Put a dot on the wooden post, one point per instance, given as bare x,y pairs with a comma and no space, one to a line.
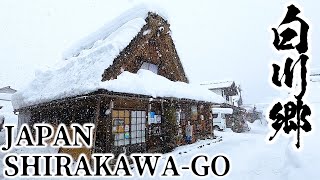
147,127
96,123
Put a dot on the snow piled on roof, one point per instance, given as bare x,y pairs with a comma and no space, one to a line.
82,73
137,12
217,85
144,82
147,83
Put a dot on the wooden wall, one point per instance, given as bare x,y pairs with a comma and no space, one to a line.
98,110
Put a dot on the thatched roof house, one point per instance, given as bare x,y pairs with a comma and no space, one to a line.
122,78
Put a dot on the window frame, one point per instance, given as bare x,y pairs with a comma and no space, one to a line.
215,115
150,66
133,130
223,115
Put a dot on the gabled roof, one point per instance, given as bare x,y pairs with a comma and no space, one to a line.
217,84
7,90
82,72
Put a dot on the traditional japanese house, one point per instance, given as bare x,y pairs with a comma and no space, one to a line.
231,94
5,104
128,80
227,89
6,93
315,75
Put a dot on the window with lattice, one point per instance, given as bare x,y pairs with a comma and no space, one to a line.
128,127
138,126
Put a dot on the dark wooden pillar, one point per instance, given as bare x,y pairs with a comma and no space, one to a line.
96,123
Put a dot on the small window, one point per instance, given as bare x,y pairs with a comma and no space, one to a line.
194,113
151,67
214,115
183,118
223,116
178,118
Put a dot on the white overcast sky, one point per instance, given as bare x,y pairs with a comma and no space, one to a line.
215,39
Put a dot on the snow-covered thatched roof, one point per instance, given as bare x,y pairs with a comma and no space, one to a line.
87,60
134,17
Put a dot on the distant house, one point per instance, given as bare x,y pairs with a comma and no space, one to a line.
127,79
6,93
5,104
227,89
315,74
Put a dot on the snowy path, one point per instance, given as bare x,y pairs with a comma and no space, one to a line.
251,158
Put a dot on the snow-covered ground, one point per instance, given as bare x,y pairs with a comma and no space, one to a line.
251,158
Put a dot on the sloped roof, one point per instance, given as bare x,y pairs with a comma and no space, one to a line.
7,90
217,84
138,13
82,72
315,72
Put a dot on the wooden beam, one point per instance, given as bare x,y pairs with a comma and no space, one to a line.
96,123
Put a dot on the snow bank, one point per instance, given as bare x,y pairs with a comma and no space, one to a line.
305,164
259,126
